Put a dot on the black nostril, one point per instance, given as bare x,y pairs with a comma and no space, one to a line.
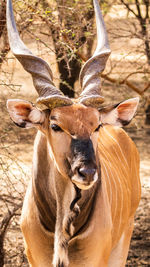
86,172
82,174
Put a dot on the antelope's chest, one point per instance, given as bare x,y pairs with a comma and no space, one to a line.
92,248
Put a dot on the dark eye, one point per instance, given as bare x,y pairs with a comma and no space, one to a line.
99,126
56,128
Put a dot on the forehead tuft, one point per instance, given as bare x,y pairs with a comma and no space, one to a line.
76,118
78,111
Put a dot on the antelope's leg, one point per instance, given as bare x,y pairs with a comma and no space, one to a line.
29,256
120,252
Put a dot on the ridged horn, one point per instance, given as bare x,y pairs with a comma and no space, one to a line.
90,73
37,67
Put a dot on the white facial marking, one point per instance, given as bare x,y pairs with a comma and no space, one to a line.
95,177
110,118
82,184
36,116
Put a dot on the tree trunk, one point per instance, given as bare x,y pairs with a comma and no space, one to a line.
2,16
147,111
2,254
69,73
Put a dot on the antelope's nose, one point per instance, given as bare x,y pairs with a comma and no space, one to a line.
85,177
87,173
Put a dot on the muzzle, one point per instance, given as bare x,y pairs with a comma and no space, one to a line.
83,164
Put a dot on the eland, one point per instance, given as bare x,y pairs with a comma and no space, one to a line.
80,203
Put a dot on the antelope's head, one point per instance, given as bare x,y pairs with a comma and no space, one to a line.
71,126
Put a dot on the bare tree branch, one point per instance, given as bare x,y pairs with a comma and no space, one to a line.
128,7
138,8
7,218
123,81
3,228
147,3
128,83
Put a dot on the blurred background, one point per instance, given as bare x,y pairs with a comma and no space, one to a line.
63,33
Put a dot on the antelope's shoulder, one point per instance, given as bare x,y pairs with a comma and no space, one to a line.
116,141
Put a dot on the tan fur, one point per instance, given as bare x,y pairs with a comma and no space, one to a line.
77,120
108,221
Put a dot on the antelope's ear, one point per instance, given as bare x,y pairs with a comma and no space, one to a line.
24,114
120,114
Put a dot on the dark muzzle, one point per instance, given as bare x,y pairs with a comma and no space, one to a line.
83,163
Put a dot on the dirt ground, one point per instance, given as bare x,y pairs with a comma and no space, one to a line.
16,148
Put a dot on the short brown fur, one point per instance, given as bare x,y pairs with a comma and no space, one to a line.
103,229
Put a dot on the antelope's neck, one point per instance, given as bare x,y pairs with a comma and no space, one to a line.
43,196
86,204
53,194
65,195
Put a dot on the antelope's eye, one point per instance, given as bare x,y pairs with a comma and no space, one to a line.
56,128
99,126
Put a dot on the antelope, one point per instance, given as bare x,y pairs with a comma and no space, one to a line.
80,203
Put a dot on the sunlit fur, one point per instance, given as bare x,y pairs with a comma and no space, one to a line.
98,230
80,204
74,125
